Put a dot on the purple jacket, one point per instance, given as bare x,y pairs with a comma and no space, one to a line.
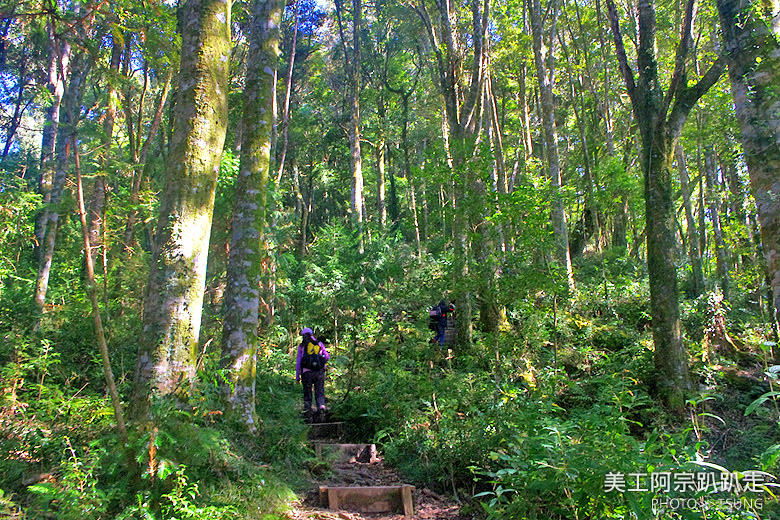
323,353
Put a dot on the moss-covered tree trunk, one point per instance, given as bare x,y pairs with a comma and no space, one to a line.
670,358
660,117
242,296
174,294
751,34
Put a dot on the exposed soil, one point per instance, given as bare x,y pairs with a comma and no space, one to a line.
427,504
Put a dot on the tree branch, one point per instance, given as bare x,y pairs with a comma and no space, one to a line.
686,38
339,10
687,97
620,50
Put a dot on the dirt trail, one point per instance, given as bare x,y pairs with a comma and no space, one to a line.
427,504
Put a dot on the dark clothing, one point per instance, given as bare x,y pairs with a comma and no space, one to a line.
315,378
441,322
309,378
441,329
323,353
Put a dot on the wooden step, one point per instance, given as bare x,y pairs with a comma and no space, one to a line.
346,452
326,430
368,499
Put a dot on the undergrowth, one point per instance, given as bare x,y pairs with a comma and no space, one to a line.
540,419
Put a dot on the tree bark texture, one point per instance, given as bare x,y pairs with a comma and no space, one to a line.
174,294
751,32
242,294
670,358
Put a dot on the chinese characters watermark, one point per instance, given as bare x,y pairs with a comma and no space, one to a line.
695,489
688,482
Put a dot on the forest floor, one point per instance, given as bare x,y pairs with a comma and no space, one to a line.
427,504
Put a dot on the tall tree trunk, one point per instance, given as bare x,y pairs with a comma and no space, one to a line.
65,133
604,106
545,73
415,218
660,117
737,213
500,179
306,199
589,223
242,294
174,294
59,62
751,34
700,168
408,166
713,194
356,160
697,275
97,208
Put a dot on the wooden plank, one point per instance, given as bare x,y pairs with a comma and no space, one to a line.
333,500
406,498
370,499
323,494
332,430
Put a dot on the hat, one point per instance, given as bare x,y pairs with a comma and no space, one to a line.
305,331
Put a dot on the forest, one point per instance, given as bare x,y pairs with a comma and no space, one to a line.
186,187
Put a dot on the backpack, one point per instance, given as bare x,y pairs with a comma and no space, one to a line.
435,312
312,360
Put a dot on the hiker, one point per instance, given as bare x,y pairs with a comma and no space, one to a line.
310,370
438,315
